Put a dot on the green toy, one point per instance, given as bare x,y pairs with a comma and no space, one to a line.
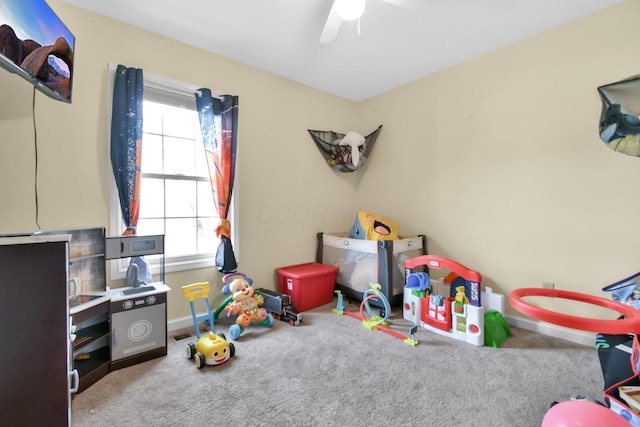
496,329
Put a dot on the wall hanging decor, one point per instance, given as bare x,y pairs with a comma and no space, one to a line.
619,120
345,152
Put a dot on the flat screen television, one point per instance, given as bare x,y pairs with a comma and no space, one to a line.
36,45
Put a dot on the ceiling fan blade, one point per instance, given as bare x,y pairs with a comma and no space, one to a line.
409,4
332,26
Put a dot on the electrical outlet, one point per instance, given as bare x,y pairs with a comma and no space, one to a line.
548,285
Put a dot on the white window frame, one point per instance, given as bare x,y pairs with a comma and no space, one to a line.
117,270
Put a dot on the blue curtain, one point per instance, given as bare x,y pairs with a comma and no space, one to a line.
126,142
219,126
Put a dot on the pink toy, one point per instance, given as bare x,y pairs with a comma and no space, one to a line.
576,413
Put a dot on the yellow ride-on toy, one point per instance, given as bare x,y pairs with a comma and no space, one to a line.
211,348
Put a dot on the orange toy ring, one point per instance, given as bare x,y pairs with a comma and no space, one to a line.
630,324
363,306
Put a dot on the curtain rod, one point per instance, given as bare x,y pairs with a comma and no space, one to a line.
169,85
214,94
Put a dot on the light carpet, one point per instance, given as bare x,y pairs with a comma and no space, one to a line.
331,371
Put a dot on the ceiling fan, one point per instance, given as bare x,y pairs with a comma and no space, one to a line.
349,10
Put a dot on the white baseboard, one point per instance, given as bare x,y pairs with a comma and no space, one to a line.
573,335
180,324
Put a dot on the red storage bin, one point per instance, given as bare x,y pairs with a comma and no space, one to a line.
309,285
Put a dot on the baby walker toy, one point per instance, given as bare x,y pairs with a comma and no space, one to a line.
212,348
244,302
585,413
369,319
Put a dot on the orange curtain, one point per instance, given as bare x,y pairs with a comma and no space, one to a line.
219,126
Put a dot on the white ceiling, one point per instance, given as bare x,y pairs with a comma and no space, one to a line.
395,45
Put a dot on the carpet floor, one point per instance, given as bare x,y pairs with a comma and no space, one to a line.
331,371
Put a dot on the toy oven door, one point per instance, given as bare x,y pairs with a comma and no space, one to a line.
138,329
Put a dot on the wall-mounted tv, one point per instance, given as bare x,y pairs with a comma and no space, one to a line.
36,45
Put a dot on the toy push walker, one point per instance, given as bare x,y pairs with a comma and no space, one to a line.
212,348
244,302
369,319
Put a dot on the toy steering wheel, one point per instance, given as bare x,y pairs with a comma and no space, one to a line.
228,278
630,324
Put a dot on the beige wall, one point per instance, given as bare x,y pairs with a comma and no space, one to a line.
499,162
496,160
286,191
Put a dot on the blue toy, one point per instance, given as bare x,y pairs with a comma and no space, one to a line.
418,282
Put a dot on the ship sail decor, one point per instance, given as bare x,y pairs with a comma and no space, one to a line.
345,152
619,124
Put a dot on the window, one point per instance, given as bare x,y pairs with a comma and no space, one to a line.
175,191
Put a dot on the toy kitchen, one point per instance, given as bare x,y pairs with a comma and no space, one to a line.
139,310
118,327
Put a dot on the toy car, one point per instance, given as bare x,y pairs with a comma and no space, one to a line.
279,305
210,349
